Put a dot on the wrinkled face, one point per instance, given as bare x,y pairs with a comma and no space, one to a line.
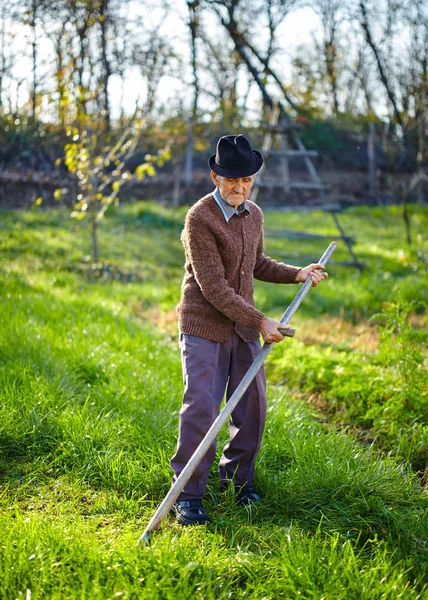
234,190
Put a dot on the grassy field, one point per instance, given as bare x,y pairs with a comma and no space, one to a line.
90,389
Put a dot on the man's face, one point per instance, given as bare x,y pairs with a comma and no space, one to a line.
234,190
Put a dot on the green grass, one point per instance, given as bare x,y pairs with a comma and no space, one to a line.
384,392
391,265
90,389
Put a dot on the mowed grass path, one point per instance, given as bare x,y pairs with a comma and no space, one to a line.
91,384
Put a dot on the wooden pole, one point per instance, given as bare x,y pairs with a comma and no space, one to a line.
223,417
371,159
346,240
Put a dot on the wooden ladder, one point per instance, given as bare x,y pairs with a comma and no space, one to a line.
282,127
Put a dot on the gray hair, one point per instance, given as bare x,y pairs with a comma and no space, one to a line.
222,177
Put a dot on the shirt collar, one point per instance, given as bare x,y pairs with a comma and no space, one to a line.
228,210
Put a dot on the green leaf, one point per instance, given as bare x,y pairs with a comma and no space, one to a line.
140,171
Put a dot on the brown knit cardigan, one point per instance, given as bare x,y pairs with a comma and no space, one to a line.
221,260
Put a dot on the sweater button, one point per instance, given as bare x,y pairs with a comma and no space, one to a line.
242,273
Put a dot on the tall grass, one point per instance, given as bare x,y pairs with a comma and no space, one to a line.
384,393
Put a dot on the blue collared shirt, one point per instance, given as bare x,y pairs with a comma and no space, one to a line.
228,210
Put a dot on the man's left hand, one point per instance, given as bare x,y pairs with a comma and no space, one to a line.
315,272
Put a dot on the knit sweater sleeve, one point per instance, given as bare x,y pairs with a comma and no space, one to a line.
209,272
268,269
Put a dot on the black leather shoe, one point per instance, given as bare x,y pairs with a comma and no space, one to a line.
190,512
247,495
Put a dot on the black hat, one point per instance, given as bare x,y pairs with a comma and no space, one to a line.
235,157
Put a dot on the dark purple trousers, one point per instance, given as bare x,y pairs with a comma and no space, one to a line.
210,369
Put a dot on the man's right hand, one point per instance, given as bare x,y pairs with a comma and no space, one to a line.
269,330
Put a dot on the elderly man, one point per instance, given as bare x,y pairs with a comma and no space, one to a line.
220,325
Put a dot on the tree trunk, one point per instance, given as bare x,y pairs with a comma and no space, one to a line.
81,102
188,158
243,54
176,187
406,217
94,237
2,56
330,59
33,25
60,77
106,67
371,159
420,158
188,161
403,196
383,77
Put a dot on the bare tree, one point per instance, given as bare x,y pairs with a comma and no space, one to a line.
380,60
238,18
331,17
121,48
111,26
83,23
31,14
222,83
7,57
406,88
106,70
153,55
194,16
414,82
58,34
